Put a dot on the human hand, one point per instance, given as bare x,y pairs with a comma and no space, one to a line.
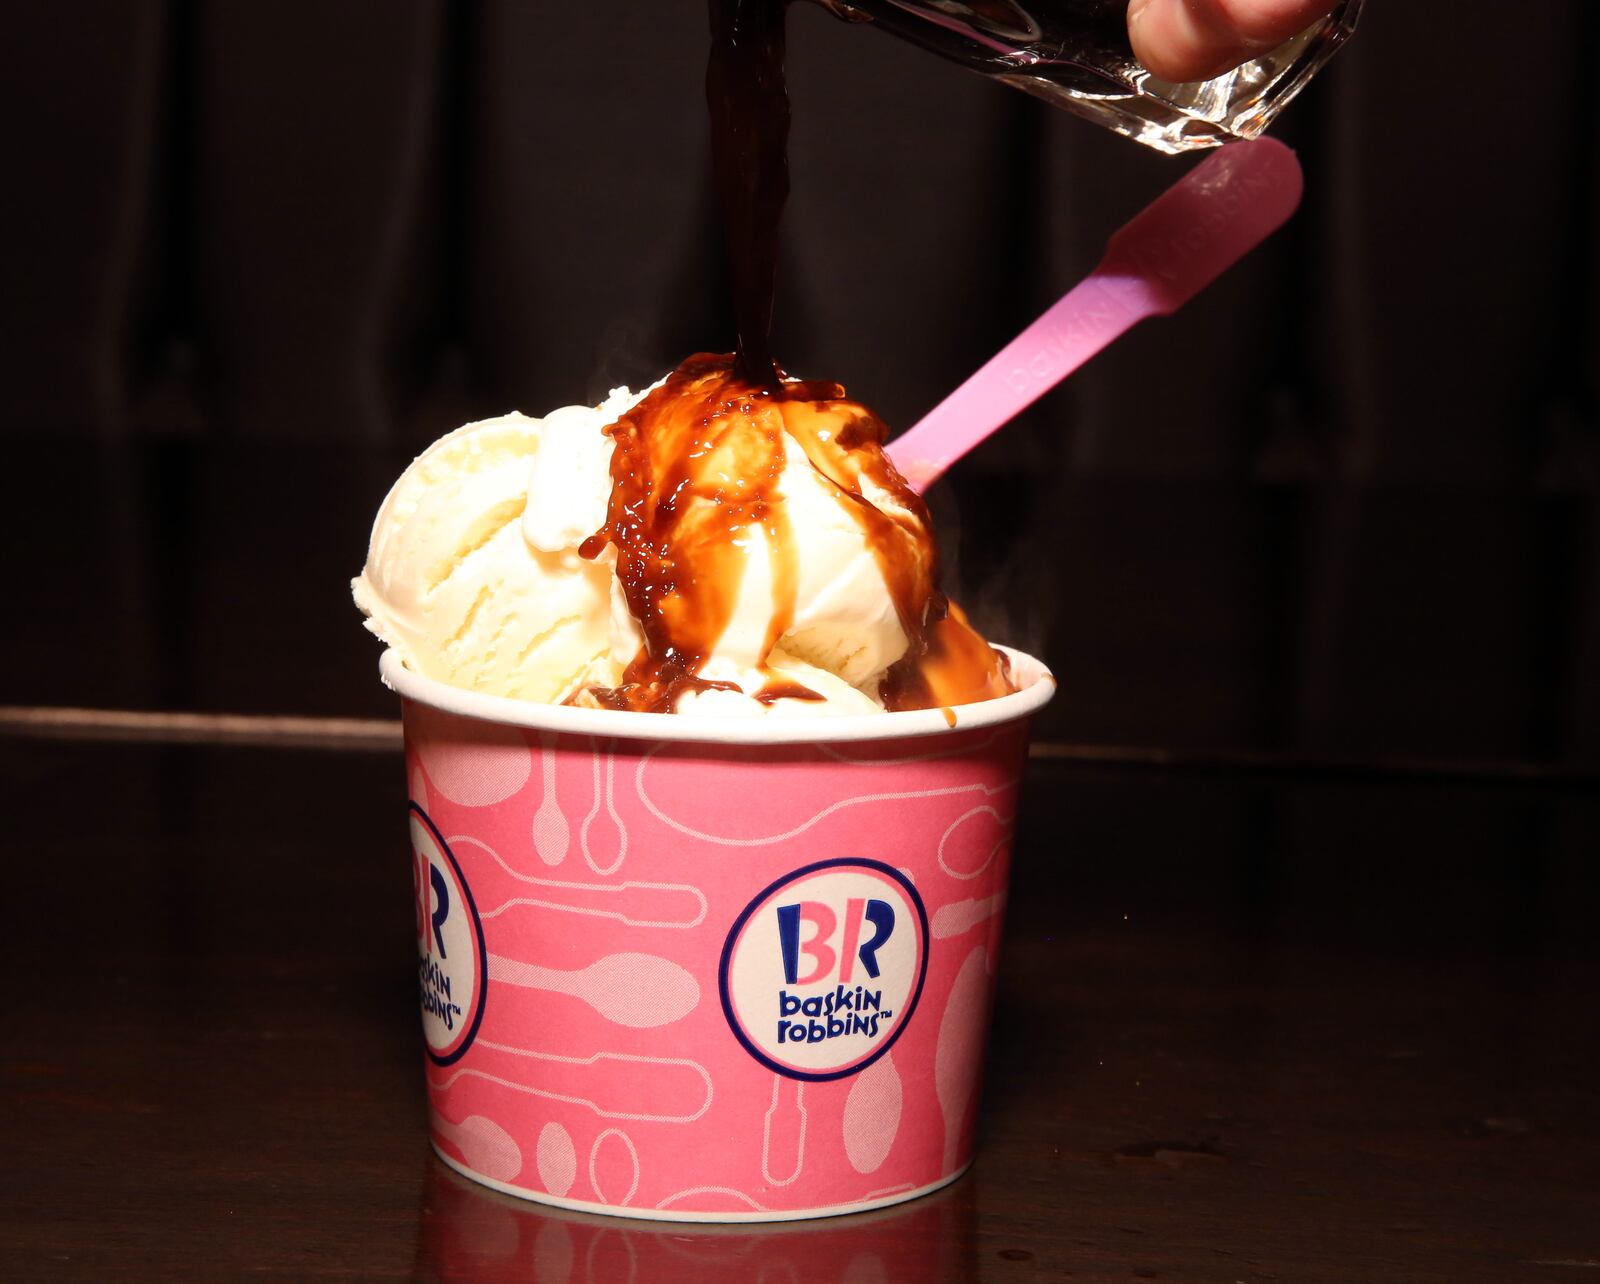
1181,40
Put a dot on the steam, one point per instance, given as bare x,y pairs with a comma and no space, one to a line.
995,557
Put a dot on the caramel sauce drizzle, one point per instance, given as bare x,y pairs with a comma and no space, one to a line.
696,465
695,473
748,99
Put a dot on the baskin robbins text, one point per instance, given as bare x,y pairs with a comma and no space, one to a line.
845,1009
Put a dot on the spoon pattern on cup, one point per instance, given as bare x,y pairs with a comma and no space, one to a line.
636,990
484,1144
605,770
550,833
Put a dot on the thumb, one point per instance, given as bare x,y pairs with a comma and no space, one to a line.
1182,40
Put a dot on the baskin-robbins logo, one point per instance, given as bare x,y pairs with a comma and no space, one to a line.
452,960
822,970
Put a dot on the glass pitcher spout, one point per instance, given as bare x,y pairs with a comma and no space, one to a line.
1075,54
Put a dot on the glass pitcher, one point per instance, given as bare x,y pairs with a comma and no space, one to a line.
1075,54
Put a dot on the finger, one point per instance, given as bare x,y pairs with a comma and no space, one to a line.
1181,40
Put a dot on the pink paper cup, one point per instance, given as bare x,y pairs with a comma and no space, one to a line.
701,969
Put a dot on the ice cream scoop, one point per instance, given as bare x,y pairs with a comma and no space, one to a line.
712,546
454,582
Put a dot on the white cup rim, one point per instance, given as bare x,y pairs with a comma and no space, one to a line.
1038,686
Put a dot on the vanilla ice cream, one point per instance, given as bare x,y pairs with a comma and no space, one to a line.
454,583
703,548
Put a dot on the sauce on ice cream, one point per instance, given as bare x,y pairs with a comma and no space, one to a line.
696,466
695,473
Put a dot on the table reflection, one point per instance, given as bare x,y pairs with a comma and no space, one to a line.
471,1233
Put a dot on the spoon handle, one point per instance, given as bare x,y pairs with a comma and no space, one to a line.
1211,218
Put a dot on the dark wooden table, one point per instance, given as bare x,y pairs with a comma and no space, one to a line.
1254,1024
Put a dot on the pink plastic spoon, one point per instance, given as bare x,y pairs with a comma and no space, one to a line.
1210,219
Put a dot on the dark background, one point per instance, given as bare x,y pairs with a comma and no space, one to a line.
1300,965
253,257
